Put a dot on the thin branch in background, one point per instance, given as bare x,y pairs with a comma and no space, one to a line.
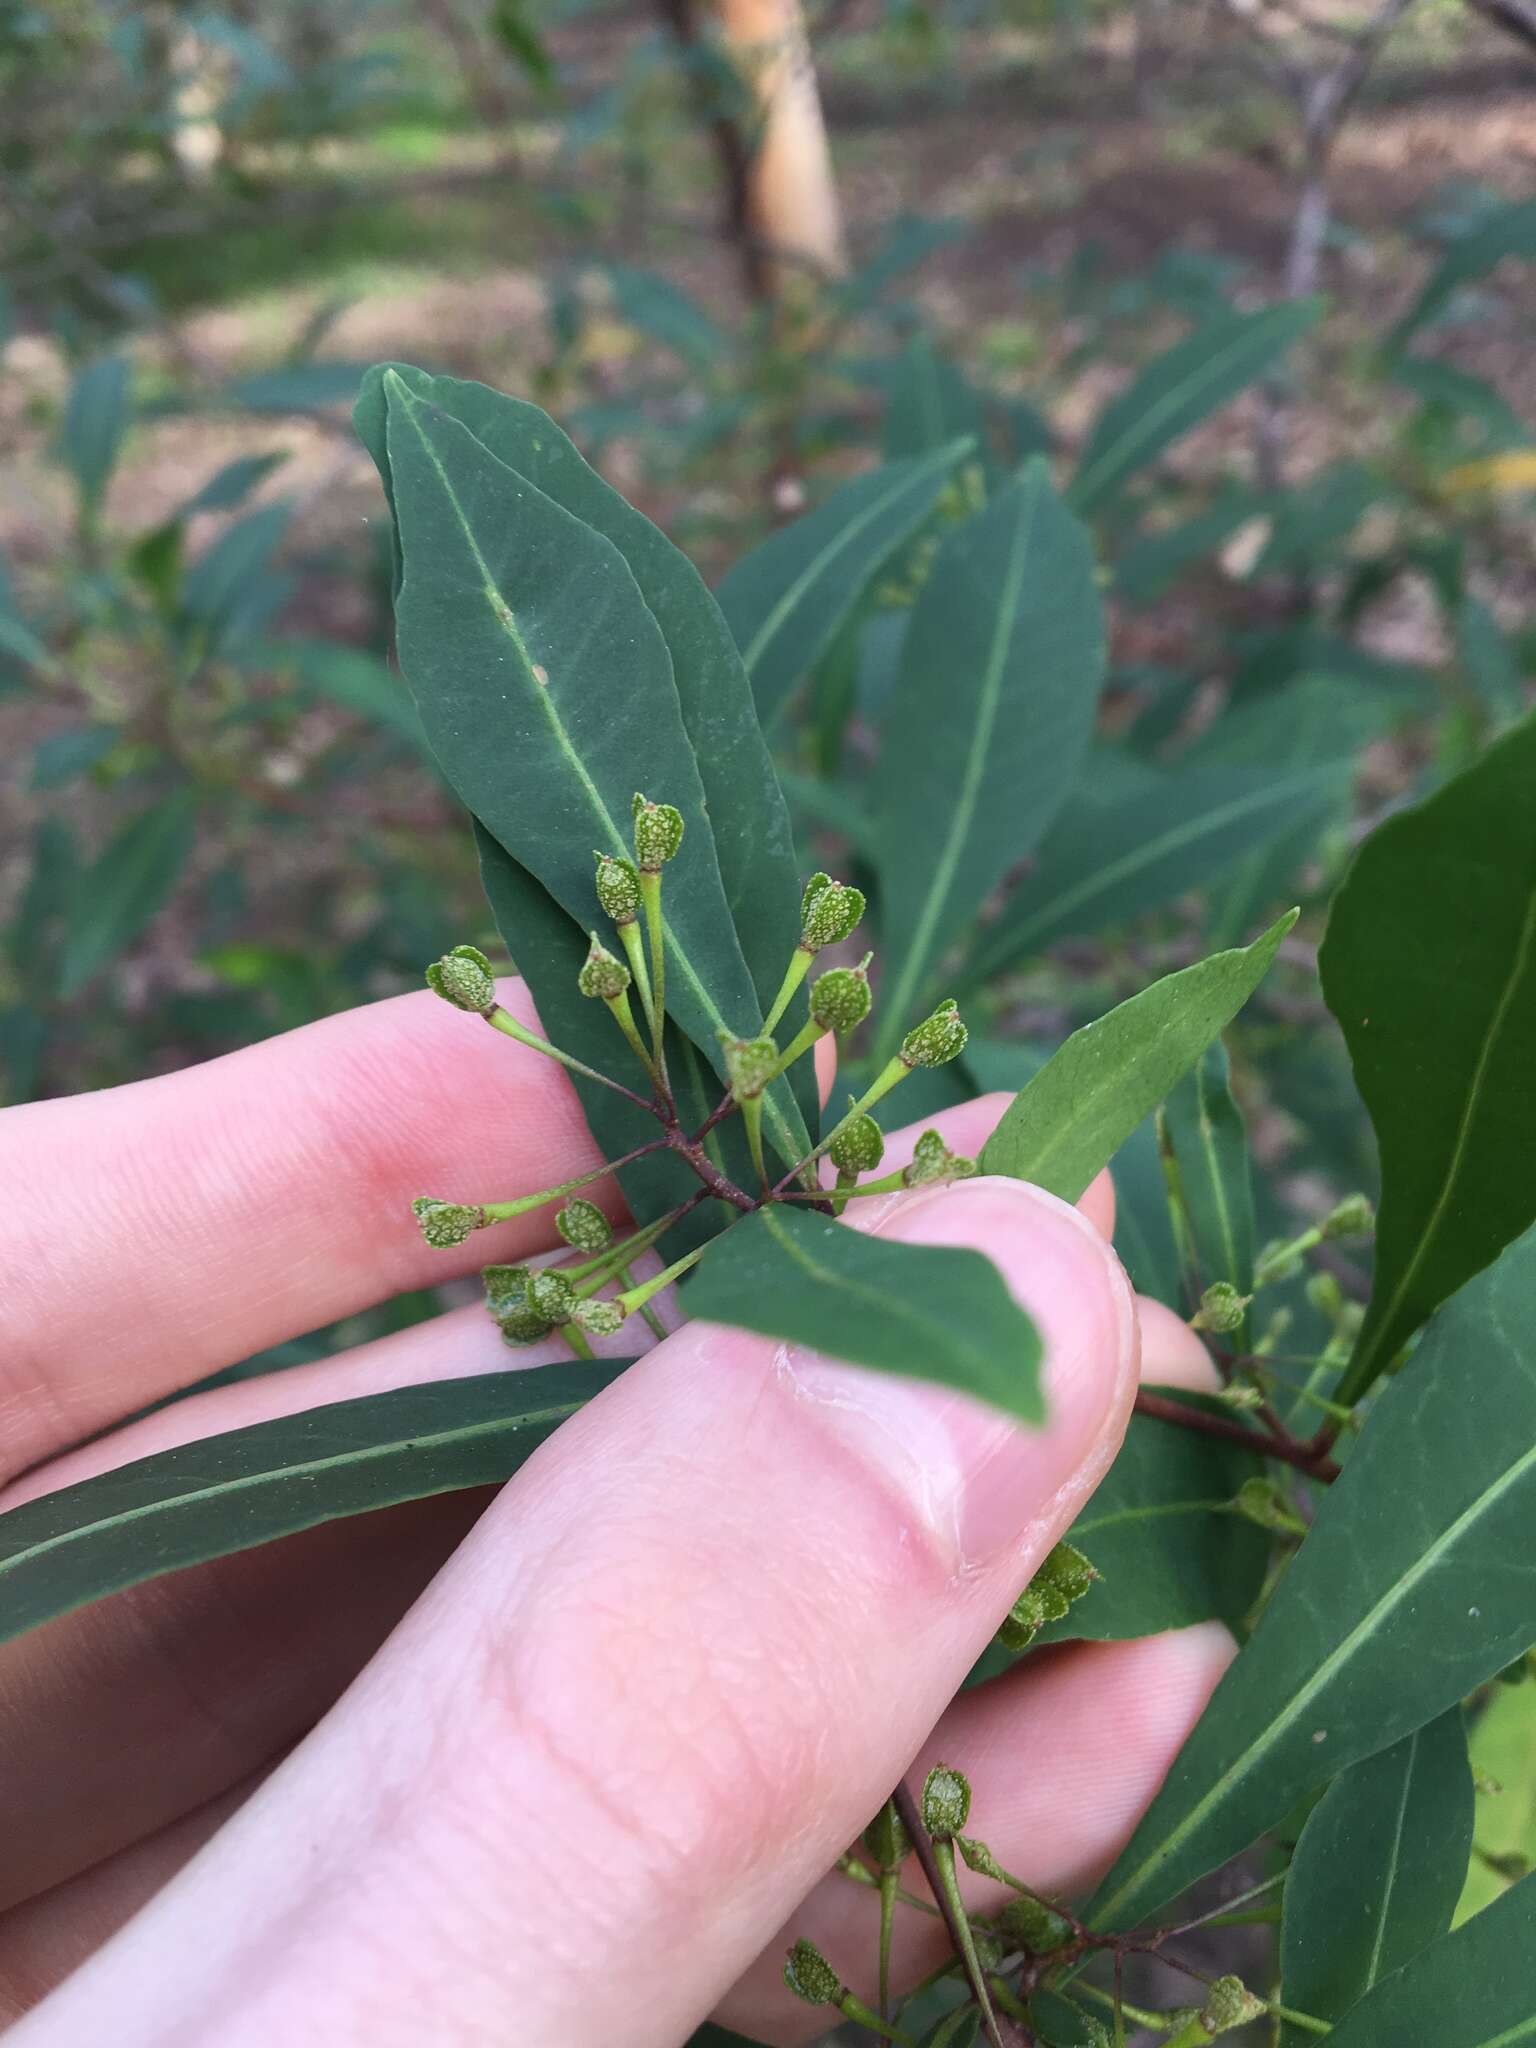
733,154
1515,17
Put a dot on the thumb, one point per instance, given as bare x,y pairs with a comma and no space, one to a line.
675,1668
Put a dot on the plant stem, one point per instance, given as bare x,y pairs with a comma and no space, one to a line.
894,1070
650,902
946,1891
752,1124
632,941
500,1212
1310,1456
635,1298
619,1010
507,1024
1305,2020
800,1044
576,1337
794,974
648,1315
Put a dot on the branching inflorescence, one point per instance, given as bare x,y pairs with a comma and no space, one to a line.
596,1292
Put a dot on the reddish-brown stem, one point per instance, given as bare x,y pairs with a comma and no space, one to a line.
713,1179
917,1834
1305,1456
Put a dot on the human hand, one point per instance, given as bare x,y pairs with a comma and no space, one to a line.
584,1784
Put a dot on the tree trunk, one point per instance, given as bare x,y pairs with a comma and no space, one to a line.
792,198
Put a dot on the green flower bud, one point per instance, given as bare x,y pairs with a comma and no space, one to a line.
938,1038
829,911
584,1225
748,1063
618,888
859,1147
946,1802
551,1294
603,973
811,1977
1221,1309
932,1162
600,1318
1068,1572
1230,2004
445,1224
1030,1924
1325,1294
658,834
463,977
1354,1217
840,998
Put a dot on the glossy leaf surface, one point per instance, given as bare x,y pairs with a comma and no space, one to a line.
925,1311
1475,1988
231,1492
1424,1540
1096,1088
1429,964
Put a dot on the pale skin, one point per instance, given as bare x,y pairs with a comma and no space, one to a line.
571,1767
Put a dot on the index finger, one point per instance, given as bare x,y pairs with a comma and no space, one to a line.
163,1230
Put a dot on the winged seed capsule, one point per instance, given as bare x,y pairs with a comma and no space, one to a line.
829,911
840,998
658,834
618,888
937,1039
584,1225
446,1224
859,1146
603,973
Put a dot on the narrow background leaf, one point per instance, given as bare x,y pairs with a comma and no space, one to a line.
1475,1988
124,887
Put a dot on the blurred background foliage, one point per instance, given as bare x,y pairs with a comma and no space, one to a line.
1255,277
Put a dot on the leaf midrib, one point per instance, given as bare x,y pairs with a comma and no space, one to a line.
1301,1700
1083,488
1394,1863
916,960
883,1302
845,536
1151,1513
416,1439
1365,1361
790,1144
1065,902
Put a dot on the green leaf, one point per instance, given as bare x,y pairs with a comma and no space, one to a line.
17,638
1377,1872
218,590
1193,379
228,1493
753,842
547,694
514,29
1475,1988
1143,1228
95,421
1093,1092
1507,231
930,404
989,725
1158,1532
664,312
787,601
1203,1129
923,1311
125,887
1429,964
230,485
1318,724
64,756
1412,1589
356,680
1487,658
1110,858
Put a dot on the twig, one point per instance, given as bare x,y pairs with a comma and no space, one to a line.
959,1933
1307,1456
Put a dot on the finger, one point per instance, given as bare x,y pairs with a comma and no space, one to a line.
649,1661
113,1711
1063,1757
1171,1353
187,1222
1098,1204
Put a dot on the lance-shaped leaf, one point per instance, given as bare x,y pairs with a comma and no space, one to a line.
1429,964
125,887
924,1311
753,841
1192,380
787,601
1202,1129
930,403
1475,1988
1377,1872
547,694
1110,857
232,1492
1160,1533
1507,231
991,718
1096,1088
1425,1540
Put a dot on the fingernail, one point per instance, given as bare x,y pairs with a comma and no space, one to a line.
977,1486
